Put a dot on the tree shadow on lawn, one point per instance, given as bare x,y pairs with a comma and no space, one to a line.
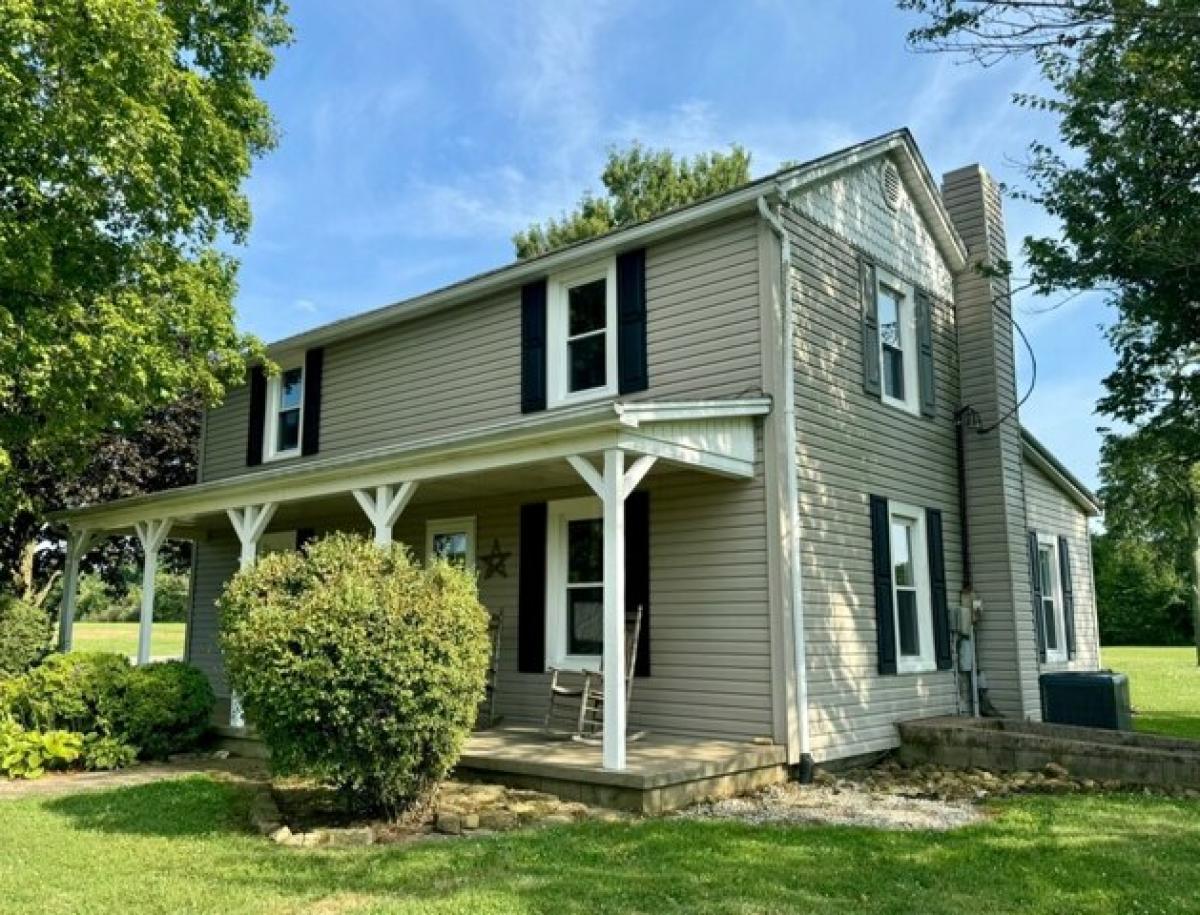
1044,854
196,805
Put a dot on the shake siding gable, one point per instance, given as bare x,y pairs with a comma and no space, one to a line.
850,446
1050,511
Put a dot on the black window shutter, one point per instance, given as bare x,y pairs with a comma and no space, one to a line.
937,587
925,374
533,346
531,590
637,573
1035,585
1064,565
310,435
872,382
258,416
885,617
632,373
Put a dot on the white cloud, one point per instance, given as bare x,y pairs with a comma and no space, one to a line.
307,306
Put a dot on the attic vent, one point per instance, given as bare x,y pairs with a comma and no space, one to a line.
891,186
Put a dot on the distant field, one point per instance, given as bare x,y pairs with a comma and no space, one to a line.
167,641
1164,686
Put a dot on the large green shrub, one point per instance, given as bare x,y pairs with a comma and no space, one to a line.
358,665
166,708
25,632
79,691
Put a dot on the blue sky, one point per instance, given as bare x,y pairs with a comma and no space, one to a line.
416,137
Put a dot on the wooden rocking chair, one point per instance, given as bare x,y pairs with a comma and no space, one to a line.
578,696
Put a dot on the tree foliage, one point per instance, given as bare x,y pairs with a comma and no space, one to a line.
126,129
1141,599
159,453
640,183
1125,189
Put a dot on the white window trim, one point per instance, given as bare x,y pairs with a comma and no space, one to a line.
557,515
926,661
436,526
1058,655
557,373
274,384
911,402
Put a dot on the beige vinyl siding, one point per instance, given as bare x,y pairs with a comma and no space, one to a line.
216,559
459,369
850,446
1049,510
710,646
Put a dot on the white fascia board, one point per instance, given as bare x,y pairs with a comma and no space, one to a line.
551,435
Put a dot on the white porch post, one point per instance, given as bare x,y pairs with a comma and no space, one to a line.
614,609
249,523
78,543
383,507
613,487
151,534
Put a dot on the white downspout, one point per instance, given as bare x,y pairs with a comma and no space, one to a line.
791,486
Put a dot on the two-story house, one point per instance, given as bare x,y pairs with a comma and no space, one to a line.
782,421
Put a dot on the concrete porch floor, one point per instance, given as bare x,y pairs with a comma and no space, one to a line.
664,771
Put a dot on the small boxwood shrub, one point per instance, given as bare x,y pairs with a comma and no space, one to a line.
358,665
25,632
165,709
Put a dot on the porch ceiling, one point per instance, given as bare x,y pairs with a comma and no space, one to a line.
529,454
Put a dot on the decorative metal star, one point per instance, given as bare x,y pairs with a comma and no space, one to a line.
495,562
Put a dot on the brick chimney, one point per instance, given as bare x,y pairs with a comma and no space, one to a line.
1006,647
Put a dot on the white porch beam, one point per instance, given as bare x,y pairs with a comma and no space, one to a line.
249,523
79,541
152,534
590,475
384,506
613,499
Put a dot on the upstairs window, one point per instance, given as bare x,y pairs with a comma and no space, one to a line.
285,413
897,343
581,324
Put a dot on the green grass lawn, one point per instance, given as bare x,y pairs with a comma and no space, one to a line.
166,642
182,847
1164,685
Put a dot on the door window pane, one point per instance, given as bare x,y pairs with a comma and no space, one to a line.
586,306
585,621
585,550
451,546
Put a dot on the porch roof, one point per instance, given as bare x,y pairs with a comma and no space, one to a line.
712,435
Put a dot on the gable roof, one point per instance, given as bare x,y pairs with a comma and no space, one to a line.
897,143
1042,458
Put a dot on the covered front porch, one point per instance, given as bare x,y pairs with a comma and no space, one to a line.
602,451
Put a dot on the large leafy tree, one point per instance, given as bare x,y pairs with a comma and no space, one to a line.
640,183
126,130
160,453
1124,184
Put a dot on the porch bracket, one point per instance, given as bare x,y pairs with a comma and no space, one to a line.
384,506
249,523
152,534
79,541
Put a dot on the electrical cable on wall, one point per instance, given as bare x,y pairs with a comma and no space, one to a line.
1032,382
